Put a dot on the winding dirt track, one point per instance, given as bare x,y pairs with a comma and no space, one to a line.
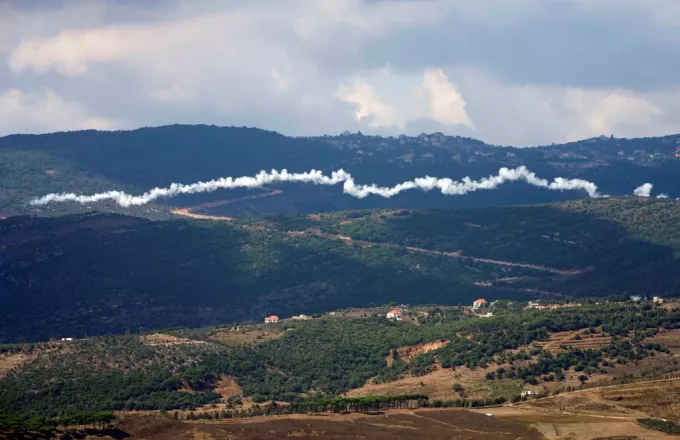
458,255
190,212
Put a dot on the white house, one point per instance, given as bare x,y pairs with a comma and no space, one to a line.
302,318
394,314
478,304
657,300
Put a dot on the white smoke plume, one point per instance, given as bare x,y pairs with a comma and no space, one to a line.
446,186
643,190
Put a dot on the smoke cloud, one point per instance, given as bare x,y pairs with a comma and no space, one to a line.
445,186
643,190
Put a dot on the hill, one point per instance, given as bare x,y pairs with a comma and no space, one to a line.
193,373
135,161
93,274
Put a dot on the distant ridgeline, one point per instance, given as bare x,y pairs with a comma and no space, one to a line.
137,160
85,275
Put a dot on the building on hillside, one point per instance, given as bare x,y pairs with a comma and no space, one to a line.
635,298
67,339
657,300
271,319
302,318
478,304
532,304
487,315
394,314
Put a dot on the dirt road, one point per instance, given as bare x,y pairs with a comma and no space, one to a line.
190,211
457,255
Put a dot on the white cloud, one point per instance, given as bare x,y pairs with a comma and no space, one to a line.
175,94
608,112
446,103
368,104
531,72
44,112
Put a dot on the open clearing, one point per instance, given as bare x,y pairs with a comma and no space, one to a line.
555,425
605,413
8,362
658,399
161,339
246,335
398,425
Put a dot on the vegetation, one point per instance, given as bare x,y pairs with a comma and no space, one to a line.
116,273
133,372
667,426
46,425
91,161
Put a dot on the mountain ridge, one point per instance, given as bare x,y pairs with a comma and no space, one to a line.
136,160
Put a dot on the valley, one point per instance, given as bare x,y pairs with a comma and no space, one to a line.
146,321
244,269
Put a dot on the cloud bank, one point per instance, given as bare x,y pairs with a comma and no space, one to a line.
520,72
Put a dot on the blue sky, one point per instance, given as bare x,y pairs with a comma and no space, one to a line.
519,72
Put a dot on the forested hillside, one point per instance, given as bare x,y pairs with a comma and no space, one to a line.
156,371
135,161
95,274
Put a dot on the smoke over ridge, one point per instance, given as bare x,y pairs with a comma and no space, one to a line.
446,186
644,190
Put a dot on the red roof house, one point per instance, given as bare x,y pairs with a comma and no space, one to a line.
394,314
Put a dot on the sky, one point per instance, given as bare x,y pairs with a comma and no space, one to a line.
508,72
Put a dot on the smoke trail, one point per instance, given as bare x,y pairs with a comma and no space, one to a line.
643,190
446,186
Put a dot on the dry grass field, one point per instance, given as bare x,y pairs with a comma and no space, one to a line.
605,413
554,425
161,339
247,335
10,361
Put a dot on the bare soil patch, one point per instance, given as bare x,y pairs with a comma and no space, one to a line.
408,352
425,424
554,425
228,386
660,399
8,362
161,339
